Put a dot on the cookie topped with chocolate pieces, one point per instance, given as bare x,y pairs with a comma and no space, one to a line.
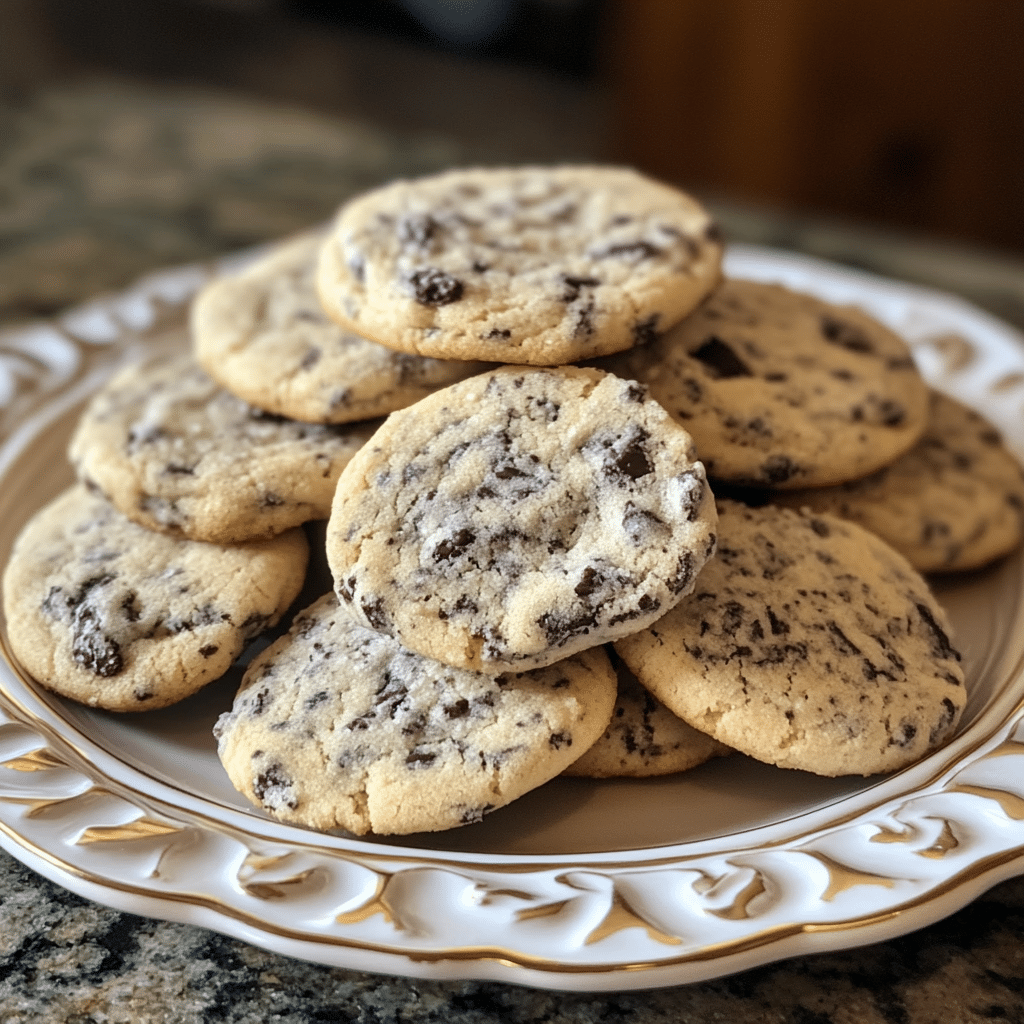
808,643
176,452
782,389
536,265
955,501
263,336
336,726
512,519
116,616
643,738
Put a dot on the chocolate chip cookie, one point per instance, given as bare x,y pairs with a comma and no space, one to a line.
781,389
643,738
337,726
116,616
955,501
516,517
538,265
808,643
174,451
263,336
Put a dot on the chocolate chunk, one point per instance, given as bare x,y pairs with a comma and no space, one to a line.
131,607
416,230
683,576
453,547
460,709
941,646
644,606
777,469
624,456
433,287
820,527
273,788
844,334
942,725
842,642
645,332
583,325
311,358
892,413
721,360
420,759
590,581
573,285
560,739
376,614
560,629
633,251
91,647
637,392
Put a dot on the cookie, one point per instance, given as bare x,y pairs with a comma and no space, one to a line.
263,336
519,516
780,389
809,643
537,265
116,616
955,501
175,452
643,738
337,726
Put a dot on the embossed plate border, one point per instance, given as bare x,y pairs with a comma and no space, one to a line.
896,856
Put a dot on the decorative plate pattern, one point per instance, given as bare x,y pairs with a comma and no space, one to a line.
582,885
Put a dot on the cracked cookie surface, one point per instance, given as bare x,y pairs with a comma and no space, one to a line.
808,643
337,726
781,389
175,452
643,738
519,516
263,335
955,501
539,265
116,616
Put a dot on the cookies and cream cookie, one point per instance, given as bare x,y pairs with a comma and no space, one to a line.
512,519
643,738
808,643
116,616
781,389
955,501
337,726
176,452
538,265
262,335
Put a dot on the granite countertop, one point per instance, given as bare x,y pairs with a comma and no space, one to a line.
103,181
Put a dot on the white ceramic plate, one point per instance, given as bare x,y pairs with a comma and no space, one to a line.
587,885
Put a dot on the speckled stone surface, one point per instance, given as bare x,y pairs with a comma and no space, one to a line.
101,182
63,959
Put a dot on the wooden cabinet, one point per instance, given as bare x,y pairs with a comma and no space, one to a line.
909,112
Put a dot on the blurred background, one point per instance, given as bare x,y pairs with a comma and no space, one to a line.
899,117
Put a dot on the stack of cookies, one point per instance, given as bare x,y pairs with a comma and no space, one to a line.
531,572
